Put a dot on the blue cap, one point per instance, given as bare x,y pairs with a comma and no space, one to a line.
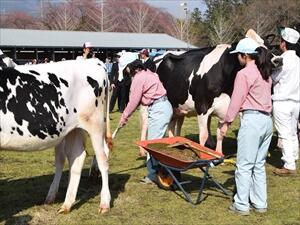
246,45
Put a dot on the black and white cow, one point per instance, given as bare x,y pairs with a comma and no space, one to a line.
49,105
200,81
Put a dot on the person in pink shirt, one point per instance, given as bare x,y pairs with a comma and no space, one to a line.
146,89
252,97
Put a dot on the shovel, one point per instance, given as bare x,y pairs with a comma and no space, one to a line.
115,132
189,145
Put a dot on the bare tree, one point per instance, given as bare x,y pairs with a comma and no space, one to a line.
136,16
221,28
17,19
102,17
61,17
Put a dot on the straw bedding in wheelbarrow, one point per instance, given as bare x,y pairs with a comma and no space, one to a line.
178,151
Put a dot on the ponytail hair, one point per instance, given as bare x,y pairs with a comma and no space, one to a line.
263,62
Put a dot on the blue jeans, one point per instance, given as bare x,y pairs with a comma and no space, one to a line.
254,138
159,116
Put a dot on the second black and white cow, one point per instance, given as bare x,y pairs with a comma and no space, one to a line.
49,105
200,81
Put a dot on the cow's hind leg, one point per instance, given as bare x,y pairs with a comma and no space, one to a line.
97,139
59,165
95,128
221,105
75,154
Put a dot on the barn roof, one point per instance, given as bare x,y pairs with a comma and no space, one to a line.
75,39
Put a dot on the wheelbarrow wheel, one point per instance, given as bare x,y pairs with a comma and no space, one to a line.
164,180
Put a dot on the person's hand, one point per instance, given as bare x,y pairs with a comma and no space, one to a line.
223,129
122,123
113,86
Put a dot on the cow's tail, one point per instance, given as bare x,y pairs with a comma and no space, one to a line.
109,140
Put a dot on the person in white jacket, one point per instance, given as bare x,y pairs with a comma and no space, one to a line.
286,101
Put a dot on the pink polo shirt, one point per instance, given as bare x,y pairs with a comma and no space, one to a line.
250,91
145,88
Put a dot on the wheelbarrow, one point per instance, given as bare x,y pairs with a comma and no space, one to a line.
169,166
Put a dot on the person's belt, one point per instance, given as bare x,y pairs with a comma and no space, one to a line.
252,111
161,99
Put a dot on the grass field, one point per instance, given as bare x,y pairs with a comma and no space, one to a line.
26,177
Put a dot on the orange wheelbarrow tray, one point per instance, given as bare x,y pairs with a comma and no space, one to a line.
168,165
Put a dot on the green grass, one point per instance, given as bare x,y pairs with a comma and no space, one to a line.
26,177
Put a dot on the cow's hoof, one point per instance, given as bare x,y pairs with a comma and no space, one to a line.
63,210
103,210
49,200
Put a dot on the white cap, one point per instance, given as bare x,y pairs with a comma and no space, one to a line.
246,45
290,35
88,45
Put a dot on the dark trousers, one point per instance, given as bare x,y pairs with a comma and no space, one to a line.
119,92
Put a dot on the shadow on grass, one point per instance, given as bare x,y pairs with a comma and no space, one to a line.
229,144
21,220
193,186
20,194
274,157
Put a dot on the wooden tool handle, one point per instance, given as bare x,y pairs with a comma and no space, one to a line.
189,145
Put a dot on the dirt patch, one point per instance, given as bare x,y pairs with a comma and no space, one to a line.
179,152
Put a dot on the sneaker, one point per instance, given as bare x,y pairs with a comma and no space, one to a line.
284,171
237,211
147,180
258,210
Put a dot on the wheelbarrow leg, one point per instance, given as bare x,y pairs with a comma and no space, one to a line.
202,183
225,191
187,196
